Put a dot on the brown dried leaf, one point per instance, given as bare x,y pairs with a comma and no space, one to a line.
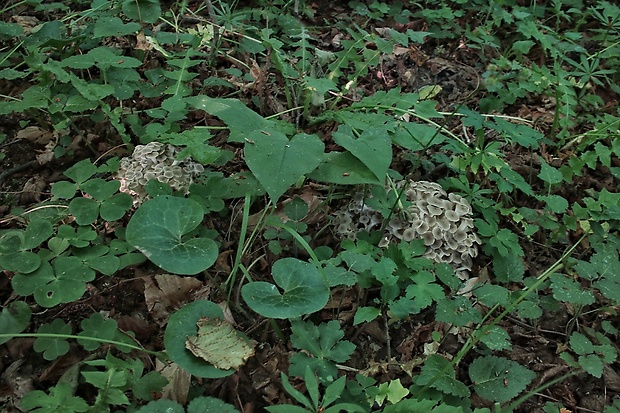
33,189
35,135
178,382
165,293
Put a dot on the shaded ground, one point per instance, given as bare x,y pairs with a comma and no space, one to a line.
140,302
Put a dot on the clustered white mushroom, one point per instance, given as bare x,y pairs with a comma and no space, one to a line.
443,221
156,161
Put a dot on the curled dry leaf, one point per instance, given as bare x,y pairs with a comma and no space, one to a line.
35,135
165,293
178,382
33,188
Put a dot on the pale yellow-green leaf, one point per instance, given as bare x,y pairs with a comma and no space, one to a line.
218,343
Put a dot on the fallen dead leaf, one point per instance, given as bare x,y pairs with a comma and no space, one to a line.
35,135
178,382
165,293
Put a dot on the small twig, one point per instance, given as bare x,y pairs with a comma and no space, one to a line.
4,175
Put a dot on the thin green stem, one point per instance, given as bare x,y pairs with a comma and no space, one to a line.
158,354
484,329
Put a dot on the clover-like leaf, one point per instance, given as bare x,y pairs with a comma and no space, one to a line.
182,324
278,162
62,282
304,290
159,229
85,210
96,326
53,347
218,343
499,379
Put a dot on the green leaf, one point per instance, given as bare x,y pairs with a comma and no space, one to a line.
114,26
393,391
183,323
555,203
567,290
159,229
161,406
365,315
491,294
241,120
147,386
36,233
548,173
62,283
496,339
498,379
100,189
52,347
508,268
14,319
24,262
64,189
147,11
457,310
85,210
96,326
592,364
59,400
373,148
417,136
278,162
343,168
218,343
209,405
440,370
506,242
81,171
425,291
304,290
115,207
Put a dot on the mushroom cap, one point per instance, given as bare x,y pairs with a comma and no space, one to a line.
441,220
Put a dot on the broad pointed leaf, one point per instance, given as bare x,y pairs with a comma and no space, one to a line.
159,228
278,162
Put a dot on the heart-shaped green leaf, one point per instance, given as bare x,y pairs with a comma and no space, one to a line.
304,291
182,324
343,168
85,210
158,228
373,148
278,162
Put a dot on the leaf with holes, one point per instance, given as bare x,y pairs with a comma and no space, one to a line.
184,323
62,282
218,343
304,290
278,162
160,228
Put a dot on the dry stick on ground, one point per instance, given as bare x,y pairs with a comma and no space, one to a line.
28,165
